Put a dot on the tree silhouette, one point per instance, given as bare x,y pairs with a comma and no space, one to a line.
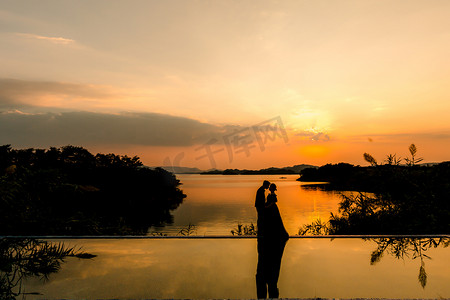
391,198
68,190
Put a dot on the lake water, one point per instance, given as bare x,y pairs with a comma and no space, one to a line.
202,268
215,204
220,269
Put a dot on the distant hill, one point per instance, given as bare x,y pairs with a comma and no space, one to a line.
285,170
298,168
182,170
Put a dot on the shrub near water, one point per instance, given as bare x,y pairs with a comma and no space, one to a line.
244,230
70,191
403,199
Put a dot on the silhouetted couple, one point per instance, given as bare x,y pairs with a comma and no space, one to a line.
272,237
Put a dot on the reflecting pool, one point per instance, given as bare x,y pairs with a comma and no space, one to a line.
225,268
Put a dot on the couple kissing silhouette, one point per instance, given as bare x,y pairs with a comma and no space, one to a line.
272,238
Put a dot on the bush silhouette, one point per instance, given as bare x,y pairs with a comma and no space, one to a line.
68,190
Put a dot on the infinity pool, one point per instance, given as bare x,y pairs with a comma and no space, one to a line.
225,268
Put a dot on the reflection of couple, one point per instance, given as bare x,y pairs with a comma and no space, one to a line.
272,237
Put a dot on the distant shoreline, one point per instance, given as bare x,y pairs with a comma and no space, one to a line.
293,170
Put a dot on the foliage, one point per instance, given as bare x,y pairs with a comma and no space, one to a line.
369,158
392,198
189,230
154,233
317,227
341,176
412,248
392,159
244,230
68,190
22,258
413,160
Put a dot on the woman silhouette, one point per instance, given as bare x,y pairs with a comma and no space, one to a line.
270,248
274,224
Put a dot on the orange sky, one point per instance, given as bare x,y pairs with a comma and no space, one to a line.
162,79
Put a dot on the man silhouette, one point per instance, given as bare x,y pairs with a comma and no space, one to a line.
260,202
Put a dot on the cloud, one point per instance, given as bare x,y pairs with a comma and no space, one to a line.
89,128
16,93
314,135
54,40
437,135
44,113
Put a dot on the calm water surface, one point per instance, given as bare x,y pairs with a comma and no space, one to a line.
226,268
215,204
218,269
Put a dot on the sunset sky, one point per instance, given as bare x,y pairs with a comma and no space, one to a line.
258,83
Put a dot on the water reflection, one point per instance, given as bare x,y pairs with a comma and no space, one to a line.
311,268
270,254
321,186
216,203
413,248
22,258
